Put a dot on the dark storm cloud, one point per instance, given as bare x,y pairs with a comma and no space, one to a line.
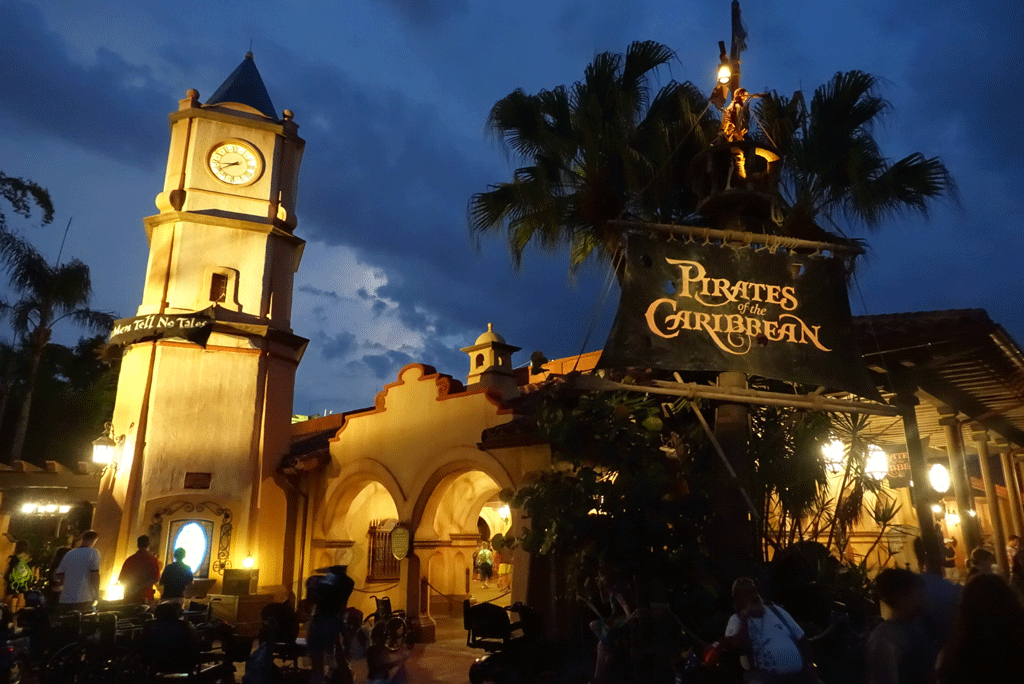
112,107
309,289
389,177
337,346
385,366
428,13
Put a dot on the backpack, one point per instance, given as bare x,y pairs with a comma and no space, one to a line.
19,576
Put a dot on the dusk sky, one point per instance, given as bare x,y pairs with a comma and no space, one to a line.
392,96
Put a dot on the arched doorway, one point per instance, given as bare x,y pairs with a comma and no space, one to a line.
448,536
358,535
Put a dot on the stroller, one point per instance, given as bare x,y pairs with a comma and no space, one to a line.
511,647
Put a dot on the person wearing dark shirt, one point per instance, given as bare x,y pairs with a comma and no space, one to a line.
176,577
329,594
140,572
900,650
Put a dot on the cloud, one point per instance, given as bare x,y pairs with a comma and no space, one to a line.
112,106
338,346
385,366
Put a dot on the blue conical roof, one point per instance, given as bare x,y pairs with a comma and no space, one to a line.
245,86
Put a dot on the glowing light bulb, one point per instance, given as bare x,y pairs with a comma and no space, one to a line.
938,477
724,73
248,562
115,592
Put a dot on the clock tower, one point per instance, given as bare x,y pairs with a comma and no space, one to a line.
202,421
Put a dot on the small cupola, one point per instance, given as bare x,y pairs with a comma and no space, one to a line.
490,354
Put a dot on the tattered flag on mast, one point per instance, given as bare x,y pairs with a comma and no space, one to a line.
739,34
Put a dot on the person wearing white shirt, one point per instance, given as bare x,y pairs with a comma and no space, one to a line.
773,643
79,573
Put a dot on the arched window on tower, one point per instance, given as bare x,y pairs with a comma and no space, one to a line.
218,288
479,360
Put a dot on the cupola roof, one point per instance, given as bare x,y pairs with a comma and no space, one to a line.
490,336
245,86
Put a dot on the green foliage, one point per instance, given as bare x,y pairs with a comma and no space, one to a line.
834,170
22,194
606,147
619,492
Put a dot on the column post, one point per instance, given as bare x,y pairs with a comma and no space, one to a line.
919,490
999,534
1012,489
969,524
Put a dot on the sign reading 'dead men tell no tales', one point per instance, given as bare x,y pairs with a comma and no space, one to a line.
194,327
693,307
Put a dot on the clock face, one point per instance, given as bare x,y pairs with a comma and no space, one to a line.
235,163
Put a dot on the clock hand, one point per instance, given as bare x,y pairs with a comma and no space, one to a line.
229,164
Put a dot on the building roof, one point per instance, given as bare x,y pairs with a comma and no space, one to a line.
245,86
959,359
490,336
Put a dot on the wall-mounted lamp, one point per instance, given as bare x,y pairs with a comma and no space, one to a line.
105,448
936,508
248,562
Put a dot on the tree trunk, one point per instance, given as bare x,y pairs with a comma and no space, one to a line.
39,340
8,385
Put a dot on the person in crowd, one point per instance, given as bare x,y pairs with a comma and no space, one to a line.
18,576
176,577
901,650
983,562
485,561
952,570
987,639
612,626
776,649
79,575
53,587
1012,546
1017,566
940,596
329,594
139,573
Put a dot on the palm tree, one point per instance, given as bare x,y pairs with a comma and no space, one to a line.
49,294
607,147
833,168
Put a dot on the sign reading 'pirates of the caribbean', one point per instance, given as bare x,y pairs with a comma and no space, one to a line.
195,327
687,306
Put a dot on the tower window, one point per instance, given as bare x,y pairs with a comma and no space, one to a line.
479,360
218,288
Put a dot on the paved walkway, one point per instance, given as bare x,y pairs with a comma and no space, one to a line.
447,660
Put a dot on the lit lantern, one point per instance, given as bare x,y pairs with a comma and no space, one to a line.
834,454
724,73
877,463
103,450
938,477
248,562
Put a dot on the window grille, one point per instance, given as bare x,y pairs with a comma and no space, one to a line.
382,564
